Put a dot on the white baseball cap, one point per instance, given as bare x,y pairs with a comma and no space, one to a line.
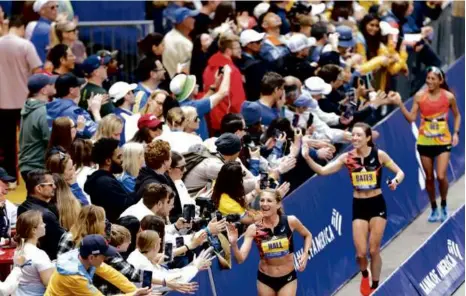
119,89
318,8
260,9
38,4
387,29
317,86
248,36
299,42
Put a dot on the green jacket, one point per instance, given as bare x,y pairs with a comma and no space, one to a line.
34,135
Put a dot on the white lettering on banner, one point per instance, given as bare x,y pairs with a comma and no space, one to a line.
442,269
421,174
325,237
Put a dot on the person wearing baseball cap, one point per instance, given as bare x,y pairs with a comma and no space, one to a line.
149,128
178,44
34,130
95,70
76,269
251,65
66,104
121,94
7,208
297,63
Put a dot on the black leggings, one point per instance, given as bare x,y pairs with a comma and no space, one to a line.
276,283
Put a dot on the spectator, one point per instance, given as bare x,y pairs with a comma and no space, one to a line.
66,32
183,87
150,73
179,140
320,32
62,164
90,220
66,104
7,208
95,71
41,189
333,75
252,66
149,129
134,226
37,273
133,161
76,269
102,186
297,63
229,51
123,98
48,11
280,8
18,59
81,154
34,133
111,126
176,171
62,58
203,21
158,159
178,46
63,134
155,104
191,120
66,203
274,48
152,45
206,170
297,116
3,23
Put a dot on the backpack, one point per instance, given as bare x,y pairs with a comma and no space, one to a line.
194,158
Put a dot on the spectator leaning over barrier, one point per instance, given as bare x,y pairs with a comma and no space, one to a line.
76,269
178,45
18,60
150,73
41,189
66,104
95,70
102,186
34,133
229,51
62,58
48,11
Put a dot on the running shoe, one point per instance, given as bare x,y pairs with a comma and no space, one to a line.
434,216
443,214
365,287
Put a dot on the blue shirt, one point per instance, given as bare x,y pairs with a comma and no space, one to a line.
202,107
119,112
268,114
41,37
128,182
141,95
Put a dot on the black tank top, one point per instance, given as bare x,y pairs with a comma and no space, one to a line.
365,174
277,242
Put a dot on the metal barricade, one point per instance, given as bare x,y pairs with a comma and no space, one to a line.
116,35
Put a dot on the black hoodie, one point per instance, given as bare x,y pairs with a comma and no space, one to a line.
148,176
105,191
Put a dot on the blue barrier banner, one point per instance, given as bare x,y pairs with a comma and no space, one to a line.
324,206
437,268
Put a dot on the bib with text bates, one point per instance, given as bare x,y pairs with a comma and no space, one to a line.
435,128
364,180
275,247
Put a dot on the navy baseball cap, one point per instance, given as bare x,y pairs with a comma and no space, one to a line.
251,112
5,177
37,82
93,62
65,82
180,14
346,36
95,244
302,101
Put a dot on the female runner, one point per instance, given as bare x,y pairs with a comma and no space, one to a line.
435,140
364,164
274,238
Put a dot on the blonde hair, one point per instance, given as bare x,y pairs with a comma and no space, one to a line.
132,152
119,235
108,126
25,224
175,118
91,220
153,95
190,114
67,204
147,240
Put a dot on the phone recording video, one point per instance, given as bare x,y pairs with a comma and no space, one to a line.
147,279
189,212
179,241
168,252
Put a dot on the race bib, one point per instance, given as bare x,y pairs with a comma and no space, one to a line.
435,128
275,247
364,180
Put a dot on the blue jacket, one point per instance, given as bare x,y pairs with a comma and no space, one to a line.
67,107
41,37
127,181
79,194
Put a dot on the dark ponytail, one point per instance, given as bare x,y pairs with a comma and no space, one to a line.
441,75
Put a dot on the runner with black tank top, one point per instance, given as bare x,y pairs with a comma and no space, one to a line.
435,140
274,239
364,164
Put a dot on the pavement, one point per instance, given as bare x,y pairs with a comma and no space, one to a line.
409,241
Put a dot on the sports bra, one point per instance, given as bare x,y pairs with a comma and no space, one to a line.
434,120
365,174
275,243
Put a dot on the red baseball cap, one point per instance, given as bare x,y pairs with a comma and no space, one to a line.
149,121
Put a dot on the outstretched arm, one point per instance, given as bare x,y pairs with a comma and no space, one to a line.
241,254
330,168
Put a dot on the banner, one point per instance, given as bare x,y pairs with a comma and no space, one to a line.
324,206
436,268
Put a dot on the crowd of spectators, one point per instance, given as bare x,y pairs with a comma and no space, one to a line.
225,95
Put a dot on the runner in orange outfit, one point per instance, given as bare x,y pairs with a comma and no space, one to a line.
435,140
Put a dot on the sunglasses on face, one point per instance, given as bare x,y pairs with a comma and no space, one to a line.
47,184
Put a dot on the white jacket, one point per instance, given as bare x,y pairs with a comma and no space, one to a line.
323,121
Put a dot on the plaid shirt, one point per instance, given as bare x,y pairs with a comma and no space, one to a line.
66,243
121,265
